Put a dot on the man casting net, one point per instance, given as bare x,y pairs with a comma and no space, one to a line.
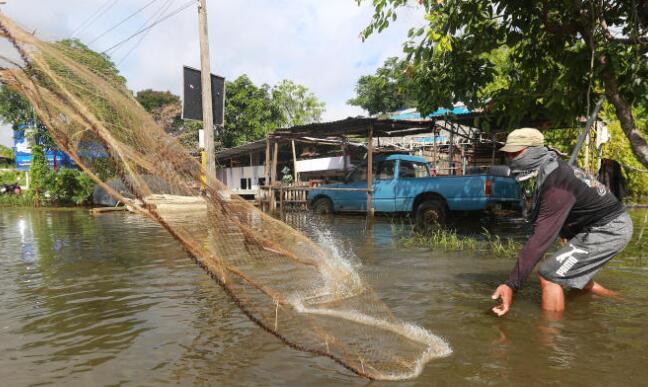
287,284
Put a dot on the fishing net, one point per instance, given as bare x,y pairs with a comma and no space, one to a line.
310,298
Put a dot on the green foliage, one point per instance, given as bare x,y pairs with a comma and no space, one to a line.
64,187
296,104
449,240
40,174
7,152
14,108
618,148
152,100
389,90
15,201
17,111
526,60
12,177
98,63
251,112
70,186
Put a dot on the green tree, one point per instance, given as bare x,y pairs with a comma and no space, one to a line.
151,100
390,89
165,107
249,112
253,111
558,56
99,63
296,104
40,174
7,152
17,111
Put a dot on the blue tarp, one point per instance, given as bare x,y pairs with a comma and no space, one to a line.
410,114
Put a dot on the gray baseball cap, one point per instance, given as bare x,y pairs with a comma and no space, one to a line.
522,138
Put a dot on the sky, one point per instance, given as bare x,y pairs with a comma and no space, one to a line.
312,42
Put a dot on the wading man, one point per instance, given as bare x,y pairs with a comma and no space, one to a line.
569,203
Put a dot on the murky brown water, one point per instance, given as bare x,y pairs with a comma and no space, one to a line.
112,300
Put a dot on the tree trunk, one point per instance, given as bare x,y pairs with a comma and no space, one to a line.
55,162
624,113
623,109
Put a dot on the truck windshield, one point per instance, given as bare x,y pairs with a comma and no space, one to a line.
412,170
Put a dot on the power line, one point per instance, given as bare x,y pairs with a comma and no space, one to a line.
145,34
122,22
89,18
153,18
177,11
96,17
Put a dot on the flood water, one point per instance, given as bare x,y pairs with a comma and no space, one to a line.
113,300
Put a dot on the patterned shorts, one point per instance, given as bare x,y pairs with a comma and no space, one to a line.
574,265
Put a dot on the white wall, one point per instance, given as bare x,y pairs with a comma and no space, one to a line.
322,164
232,177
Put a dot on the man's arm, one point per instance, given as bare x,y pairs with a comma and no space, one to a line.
555,205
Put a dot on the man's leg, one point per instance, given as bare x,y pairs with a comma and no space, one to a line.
553,297
599,290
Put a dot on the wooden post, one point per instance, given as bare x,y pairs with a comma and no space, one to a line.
281,201
370,210
493,138
267,162
294,154
275,156
451,153
344,155
434,152
205,69
463,159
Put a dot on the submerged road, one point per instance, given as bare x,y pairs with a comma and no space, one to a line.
112,299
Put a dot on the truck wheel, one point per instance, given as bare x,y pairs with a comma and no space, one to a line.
323,206
431,212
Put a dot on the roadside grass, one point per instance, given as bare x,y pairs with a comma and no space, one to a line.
16,201
440,238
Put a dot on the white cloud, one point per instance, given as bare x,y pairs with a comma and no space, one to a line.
313,42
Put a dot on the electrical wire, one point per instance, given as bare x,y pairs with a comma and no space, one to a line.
145,34
122,22
97,16
173,13
155,17
90,17
151,19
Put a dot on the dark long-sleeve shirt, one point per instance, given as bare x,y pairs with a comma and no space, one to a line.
570,202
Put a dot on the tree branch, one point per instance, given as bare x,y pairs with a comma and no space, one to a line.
556,27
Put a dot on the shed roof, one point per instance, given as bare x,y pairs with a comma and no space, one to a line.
358,127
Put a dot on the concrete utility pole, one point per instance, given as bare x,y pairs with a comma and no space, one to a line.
205,71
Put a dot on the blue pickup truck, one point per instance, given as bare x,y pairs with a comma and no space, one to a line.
403,184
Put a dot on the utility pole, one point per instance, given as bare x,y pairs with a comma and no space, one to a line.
205,71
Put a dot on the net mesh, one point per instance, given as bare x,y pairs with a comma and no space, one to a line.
308,297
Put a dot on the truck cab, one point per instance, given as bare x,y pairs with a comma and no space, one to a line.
404,184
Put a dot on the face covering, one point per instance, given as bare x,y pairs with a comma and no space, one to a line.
535,161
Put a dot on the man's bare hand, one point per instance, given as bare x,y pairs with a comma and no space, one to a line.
506,294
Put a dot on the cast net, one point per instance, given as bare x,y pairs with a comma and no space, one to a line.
309,298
